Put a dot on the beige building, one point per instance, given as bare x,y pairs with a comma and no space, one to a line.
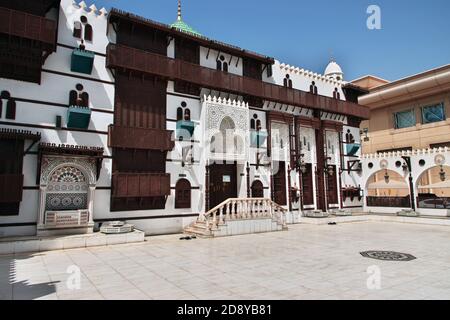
410,113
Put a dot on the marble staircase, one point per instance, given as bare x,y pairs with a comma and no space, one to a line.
239,216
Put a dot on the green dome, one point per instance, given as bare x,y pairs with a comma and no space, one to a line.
180,25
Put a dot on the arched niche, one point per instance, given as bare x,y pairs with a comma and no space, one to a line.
395,185
67,186
433,188
257,189
387,188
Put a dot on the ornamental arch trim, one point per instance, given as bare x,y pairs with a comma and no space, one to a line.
52,164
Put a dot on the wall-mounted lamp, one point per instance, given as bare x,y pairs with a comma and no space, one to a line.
365,131
301,164
405,167
359,168
442,174
386,177
329,169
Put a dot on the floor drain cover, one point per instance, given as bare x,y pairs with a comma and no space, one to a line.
388,255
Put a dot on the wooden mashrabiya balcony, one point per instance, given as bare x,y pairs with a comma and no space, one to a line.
123,57
141,185
28,26
140,138
11,188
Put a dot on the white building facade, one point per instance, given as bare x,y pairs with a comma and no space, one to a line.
129,119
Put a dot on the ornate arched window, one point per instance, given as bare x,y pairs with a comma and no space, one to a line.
78,97
187,114
88,32
10,105
287,82
67,190
225,141
221,65
11,109
313,88
336,94
77,29
183,194
255,123
225,66
179,114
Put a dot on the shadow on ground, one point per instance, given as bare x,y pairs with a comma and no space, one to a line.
13,286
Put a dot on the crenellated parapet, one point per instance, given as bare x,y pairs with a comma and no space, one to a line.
92,9
406,153
313,76
225,102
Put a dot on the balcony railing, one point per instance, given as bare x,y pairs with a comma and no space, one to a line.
24,25
140,138
78,117
123,57
389,202
257,138
82,61
185,129
432,201
11,186
352,149
141,185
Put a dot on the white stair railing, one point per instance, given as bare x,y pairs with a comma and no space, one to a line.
243,208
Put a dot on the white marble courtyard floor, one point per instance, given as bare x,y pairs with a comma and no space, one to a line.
306,262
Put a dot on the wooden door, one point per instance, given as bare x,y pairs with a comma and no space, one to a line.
308,190
279,184
183,194
332,197
257,189
223,183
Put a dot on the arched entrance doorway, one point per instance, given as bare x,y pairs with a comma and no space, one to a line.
257,189
434,188
183,194
387,188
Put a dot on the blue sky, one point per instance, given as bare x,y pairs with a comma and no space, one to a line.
415,35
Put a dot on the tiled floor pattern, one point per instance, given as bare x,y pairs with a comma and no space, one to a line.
306,262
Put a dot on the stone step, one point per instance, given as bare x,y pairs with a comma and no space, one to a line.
316,214
200,233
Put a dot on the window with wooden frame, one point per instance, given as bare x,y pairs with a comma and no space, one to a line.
78,97
287,82
313,88
404,119
179,113
433,113
10,104
11,177
183,194
221,64
88,32
77,29
336,94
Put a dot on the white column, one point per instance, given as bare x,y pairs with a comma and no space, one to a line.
41,213
91,203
